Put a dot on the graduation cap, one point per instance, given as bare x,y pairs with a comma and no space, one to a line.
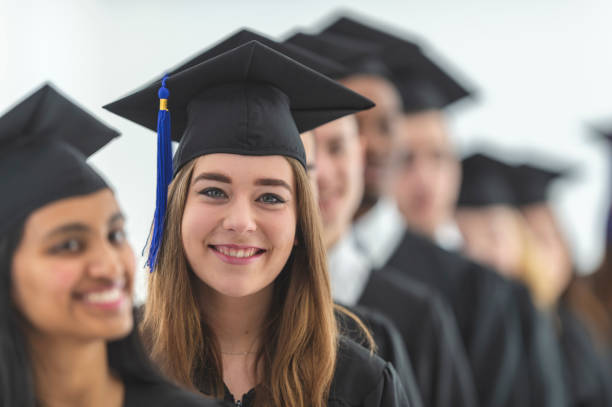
532,184
486,181
44,142
422,83
304,56
250,100
357,56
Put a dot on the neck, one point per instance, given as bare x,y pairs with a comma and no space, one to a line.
236,322
68,372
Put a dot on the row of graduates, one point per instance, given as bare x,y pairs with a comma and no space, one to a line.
239,304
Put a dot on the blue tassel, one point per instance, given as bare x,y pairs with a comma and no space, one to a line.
164,172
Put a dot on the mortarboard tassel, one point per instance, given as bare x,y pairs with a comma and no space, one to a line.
164,172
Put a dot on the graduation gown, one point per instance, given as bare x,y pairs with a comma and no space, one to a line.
361,379
429,334
139,393
499,326
389,345
587,375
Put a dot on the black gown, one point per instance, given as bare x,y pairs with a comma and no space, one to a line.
389,345
140,393
430,336
360,380
587,374
498,325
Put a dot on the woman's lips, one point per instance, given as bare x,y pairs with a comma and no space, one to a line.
111,299
236,254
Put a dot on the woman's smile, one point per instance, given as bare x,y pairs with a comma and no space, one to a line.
237,254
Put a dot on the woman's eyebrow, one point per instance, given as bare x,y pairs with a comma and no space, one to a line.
273,182
69,228
117,217
213,176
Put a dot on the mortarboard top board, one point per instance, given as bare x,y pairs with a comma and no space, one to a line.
532,184
44,142
485,181
250,100
319,63
357,56
422,83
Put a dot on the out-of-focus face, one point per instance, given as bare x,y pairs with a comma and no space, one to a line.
426,172
308,141
554,252
378,127
73,270
339,175
239,223
492,236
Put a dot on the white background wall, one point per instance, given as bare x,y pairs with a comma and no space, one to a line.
542,67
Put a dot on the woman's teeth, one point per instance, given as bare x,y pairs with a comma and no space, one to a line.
110,295
239,253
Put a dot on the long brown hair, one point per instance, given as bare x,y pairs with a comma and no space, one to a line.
298,352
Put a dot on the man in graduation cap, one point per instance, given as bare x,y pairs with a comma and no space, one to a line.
427,327
488,315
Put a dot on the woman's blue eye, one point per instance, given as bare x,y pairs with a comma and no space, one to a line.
214,193
271,199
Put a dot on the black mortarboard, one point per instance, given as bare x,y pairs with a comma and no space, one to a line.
250,100
357,56
485,181
422,83
532,183
304,56
44,142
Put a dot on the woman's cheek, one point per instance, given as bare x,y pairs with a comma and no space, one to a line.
64,275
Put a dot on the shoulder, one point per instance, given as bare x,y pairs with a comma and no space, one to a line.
162,394
358,374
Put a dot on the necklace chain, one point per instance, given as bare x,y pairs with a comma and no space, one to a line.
237,353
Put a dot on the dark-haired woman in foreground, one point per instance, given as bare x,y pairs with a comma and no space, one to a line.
66,269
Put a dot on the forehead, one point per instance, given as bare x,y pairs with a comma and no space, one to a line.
425,129
309,144
344,127
245,168
376,88
95,208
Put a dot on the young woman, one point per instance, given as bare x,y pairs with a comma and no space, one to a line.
239,303
66,269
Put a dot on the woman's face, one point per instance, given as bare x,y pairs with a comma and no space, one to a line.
73,270
239,223
492,236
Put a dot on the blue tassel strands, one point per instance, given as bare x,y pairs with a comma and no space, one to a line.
164,172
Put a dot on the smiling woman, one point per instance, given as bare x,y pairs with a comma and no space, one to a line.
239,297
66,269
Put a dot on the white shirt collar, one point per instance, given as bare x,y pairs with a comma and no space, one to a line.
449,237
349,271
379,232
